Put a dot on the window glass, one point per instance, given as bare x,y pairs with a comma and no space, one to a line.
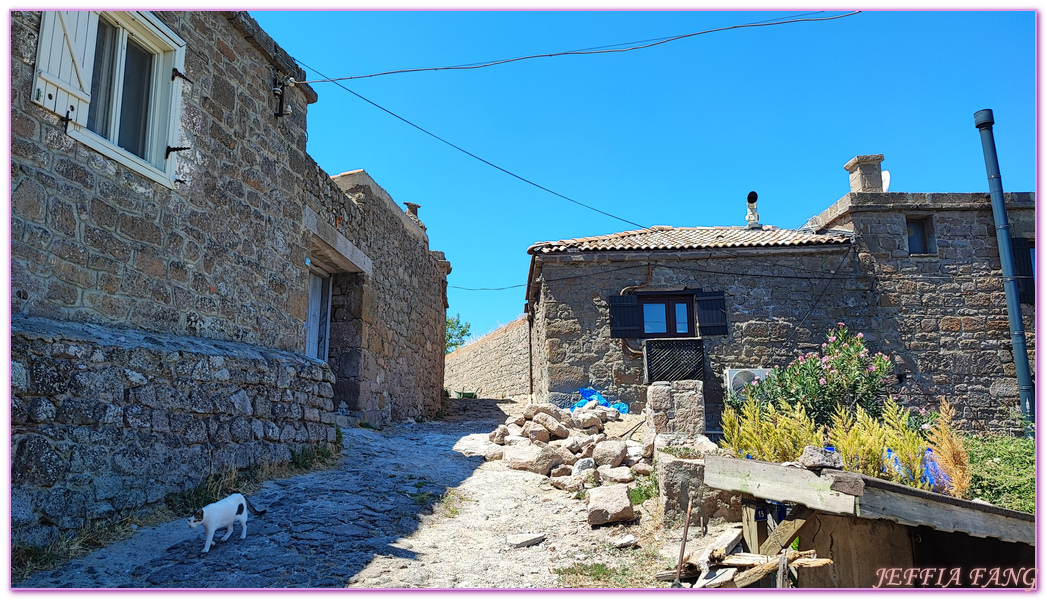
100,112
654,318
917,232
134,108
681,318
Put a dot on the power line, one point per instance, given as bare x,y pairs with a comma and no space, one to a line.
464,151
598,50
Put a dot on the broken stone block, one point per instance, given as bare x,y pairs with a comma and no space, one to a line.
536,432
568,457
560,471
550,409
493,452
555,428
583,465
814,457
609,452
498,435
568,483
517,420
610,504
584,419
642,468
536,459
626,541
615,474
522,540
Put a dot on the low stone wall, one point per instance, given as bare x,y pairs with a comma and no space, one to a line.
106,421
675,407
494,366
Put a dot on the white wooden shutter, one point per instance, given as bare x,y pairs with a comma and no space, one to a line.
64,61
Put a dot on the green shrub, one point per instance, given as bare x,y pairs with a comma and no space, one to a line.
645,489
1003,470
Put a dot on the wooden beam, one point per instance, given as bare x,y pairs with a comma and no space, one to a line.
912,509
724,543
787,530
755,574
754,532
771,481
717,578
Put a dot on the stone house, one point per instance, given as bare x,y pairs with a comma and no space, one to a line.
918,274
190,292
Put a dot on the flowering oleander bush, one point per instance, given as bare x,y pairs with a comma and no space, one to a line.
843,373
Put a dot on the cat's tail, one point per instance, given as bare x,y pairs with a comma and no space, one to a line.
253,510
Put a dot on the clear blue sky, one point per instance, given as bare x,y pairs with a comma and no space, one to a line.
676,135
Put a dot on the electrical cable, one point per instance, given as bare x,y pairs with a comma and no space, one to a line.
768,23
464,151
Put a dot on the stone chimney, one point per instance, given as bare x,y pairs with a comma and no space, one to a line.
865,173
412,213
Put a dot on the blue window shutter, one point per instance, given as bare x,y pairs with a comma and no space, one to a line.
625,316
712,313
1023,269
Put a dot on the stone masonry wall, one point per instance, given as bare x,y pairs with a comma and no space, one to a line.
494,366
766,294
943,316
105,421
216,268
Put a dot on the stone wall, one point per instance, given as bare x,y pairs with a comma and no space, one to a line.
675,407
942,317
766,292
494,366
105,421
217,267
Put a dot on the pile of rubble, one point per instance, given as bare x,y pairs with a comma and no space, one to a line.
573,451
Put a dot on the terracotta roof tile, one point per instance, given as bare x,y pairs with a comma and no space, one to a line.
663,237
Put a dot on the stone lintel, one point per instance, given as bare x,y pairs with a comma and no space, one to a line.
332,247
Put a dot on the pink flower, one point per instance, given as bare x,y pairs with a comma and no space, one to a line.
832,338
923,411
825,359
871,368
822,381
840,324
824,344
860,335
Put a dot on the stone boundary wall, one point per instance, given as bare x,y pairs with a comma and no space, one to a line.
676,407
106,421
494,366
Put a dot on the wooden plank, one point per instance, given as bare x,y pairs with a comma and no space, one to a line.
787,530
724,543
744,559
771,481
757,573
754,532
912,510
783,572
716,578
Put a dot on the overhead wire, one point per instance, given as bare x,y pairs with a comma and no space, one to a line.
597,50
483,160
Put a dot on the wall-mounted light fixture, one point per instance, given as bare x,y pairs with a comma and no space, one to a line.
280,86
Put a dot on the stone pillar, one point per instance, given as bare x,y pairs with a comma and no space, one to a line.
865,173
675,407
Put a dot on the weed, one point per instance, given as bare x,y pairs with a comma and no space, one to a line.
451,503
366,425
420,498
1003,470
599,575
338,436
310,457
645,489
682,452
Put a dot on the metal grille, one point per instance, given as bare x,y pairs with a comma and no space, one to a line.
674,360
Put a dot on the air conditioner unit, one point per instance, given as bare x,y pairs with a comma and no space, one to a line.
735,379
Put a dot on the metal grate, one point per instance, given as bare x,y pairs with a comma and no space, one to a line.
674,360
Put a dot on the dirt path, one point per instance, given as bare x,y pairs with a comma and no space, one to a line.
404,508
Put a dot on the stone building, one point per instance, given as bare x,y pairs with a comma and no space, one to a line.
190,292
918,274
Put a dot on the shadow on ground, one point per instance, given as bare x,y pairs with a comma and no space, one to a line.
319,529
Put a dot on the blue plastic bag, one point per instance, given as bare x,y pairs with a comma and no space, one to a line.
589,394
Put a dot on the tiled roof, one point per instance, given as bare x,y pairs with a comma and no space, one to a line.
663,237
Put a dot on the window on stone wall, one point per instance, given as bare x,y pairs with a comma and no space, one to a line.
111,76
661,315
920,232
1025,269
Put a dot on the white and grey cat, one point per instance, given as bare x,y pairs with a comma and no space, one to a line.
224,513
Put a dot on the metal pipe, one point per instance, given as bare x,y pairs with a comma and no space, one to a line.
983,121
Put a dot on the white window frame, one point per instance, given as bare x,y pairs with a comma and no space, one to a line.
56,36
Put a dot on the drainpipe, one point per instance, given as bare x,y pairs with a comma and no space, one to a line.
983,121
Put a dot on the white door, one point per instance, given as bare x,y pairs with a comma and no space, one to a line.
318,319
